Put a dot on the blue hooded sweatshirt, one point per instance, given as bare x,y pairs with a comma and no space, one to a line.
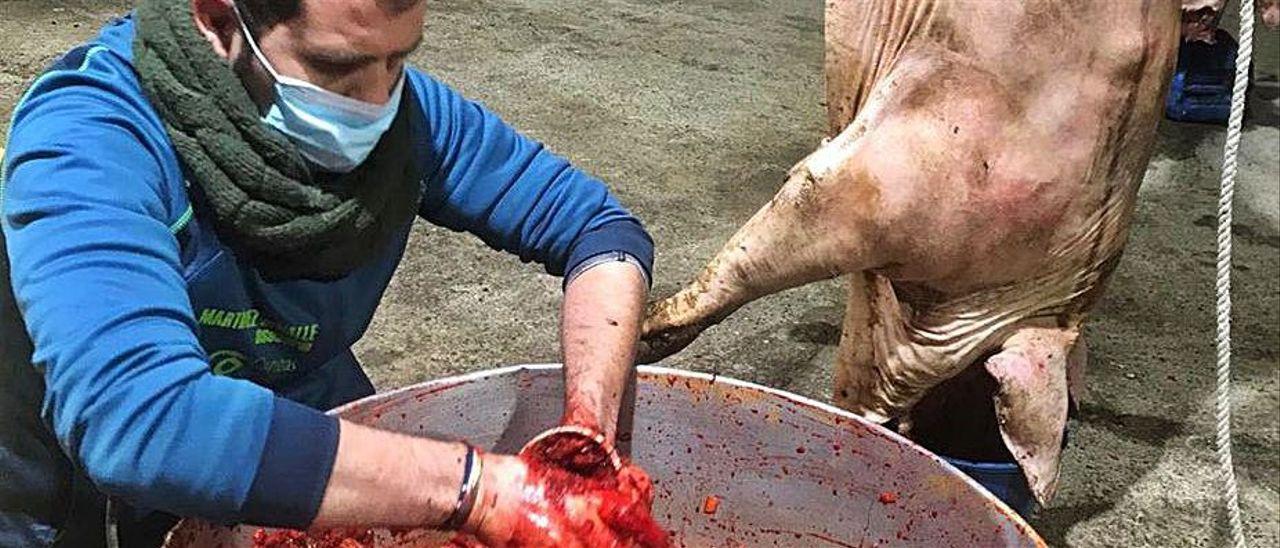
145,362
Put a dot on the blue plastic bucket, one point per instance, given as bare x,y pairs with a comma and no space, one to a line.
1201,87
1002,479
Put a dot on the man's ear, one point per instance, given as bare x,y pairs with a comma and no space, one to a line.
217,21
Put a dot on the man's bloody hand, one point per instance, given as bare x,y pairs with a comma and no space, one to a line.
533,501
581,450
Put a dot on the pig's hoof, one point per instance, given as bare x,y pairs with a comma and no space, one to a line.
656,346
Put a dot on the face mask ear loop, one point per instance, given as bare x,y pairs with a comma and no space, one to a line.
253,43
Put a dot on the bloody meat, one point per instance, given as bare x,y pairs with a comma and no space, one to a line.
710,504
570,467
567,468
334,538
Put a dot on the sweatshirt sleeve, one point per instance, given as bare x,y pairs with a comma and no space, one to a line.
96,274
486,178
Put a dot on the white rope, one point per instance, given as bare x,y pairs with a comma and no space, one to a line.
1227,193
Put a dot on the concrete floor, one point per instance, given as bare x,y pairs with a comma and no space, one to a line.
693,111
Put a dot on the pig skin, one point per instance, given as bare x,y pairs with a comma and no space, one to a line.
976,191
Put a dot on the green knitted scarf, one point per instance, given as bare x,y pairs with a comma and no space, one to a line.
262,197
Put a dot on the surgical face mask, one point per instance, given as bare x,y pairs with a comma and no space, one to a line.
333,131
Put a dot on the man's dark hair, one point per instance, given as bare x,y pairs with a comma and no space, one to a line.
264,14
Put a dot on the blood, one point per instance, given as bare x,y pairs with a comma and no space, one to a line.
464,541
710,504
622,499
573,492
334,538
571,453
888,497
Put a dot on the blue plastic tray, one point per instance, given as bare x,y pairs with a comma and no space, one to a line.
1201,86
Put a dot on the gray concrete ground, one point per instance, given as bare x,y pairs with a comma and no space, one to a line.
693,110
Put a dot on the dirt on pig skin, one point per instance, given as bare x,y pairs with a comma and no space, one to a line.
693,111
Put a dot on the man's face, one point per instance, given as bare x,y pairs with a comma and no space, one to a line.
353,47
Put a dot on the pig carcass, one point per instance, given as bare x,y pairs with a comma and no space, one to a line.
975,191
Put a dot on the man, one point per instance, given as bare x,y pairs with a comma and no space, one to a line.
201,209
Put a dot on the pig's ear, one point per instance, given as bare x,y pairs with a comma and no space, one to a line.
1031,402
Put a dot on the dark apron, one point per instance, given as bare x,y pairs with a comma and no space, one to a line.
47,500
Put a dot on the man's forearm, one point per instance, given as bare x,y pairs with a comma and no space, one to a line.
600,324
386,479
392,480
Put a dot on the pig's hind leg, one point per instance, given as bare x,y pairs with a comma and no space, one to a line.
821,224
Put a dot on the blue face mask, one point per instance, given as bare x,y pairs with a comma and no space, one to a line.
333,131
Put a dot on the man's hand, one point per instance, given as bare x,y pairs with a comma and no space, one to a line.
384,479
600,324
523,504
